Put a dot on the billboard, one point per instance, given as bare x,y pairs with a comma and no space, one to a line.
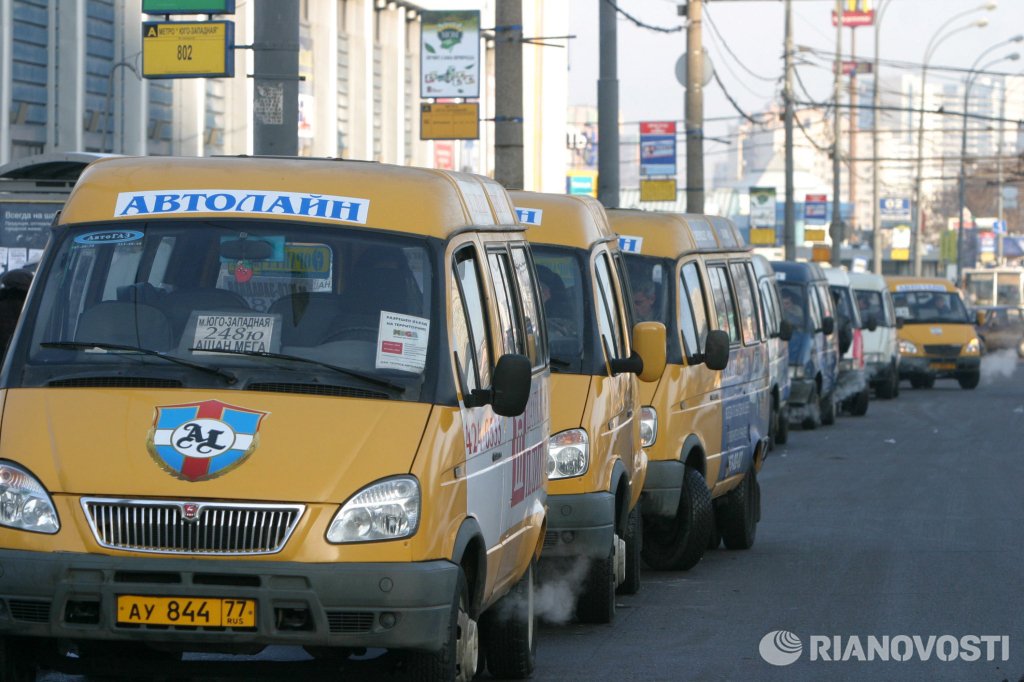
657,148
762,207
450,54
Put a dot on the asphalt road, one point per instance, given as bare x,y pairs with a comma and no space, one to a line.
908,522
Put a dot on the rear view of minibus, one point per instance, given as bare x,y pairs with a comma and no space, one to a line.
596,466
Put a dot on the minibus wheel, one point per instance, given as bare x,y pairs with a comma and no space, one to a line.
597,602
458,659
887,387
678,543
782,432
738,511
509,629
828,409
812,408
17,662
634,543
969,380
859,404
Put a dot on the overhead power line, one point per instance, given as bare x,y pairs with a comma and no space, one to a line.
725,45
733,102
649,27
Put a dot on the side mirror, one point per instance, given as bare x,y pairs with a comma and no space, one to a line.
828,325
900,322
872,324
716,350
510,387
649,344
786,330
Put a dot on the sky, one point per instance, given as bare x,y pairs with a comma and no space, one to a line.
753,30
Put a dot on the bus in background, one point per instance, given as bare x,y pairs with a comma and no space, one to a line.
779,331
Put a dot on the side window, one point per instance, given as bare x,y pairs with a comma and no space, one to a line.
469,321
725,307
759,310
771,312
693,317
814,305
890,312
508,310
527,288
745,299
609,322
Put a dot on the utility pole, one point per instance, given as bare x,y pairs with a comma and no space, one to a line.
999,171
694,109
276,78
508,95
853,126
608,109
836,228
789,216
876,216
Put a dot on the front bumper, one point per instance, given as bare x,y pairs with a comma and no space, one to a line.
918,366
662,488
345,605
579,525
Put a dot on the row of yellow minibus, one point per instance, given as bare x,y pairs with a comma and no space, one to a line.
345,405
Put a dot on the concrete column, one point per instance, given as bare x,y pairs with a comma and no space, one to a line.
6,16
421,150
238,93
66,77
323,19
189,112
131,92
361,79
393,71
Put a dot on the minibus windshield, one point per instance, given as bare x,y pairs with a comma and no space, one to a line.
930,307
253,305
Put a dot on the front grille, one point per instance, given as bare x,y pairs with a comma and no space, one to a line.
349,621
32,611
942,350
181,527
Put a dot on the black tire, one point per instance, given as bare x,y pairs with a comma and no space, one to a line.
596,604
922,381
509,631
888,385
969,380
678,543
17,659
715,538
812,419
459,659
829,409
634,545
896,384
738,511
859,404
782,435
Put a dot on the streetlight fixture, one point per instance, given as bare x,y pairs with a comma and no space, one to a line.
971,76
933,44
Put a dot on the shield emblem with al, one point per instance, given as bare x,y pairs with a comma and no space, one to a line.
199,441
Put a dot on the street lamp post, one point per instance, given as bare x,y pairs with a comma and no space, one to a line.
937,39
962,188
876,218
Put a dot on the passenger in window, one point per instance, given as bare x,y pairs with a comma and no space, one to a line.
793,308
556,302
644,296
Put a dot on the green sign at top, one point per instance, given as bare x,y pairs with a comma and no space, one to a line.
188,6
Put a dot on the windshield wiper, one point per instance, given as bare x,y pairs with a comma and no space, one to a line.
83,345
384,383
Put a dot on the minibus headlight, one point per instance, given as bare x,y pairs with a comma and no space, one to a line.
907,348
387,510
568,454
24,502
973,347
648,426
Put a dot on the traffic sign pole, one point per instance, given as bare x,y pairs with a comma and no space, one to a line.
276,78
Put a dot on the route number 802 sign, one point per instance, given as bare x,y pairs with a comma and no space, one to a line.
188,49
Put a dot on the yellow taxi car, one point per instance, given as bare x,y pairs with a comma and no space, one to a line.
938,338
596,465
707,418
276,401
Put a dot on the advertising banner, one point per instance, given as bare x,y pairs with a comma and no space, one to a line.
657,148
816,209
450,54
762,207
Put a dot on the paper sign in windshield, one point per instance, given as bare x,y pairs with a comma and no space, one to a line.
232,332
402,342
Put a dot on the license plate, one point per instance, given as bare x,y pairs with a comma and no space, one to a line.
186,611
943,365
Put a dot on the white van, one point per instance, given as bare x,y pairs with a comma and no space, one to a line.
881,346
